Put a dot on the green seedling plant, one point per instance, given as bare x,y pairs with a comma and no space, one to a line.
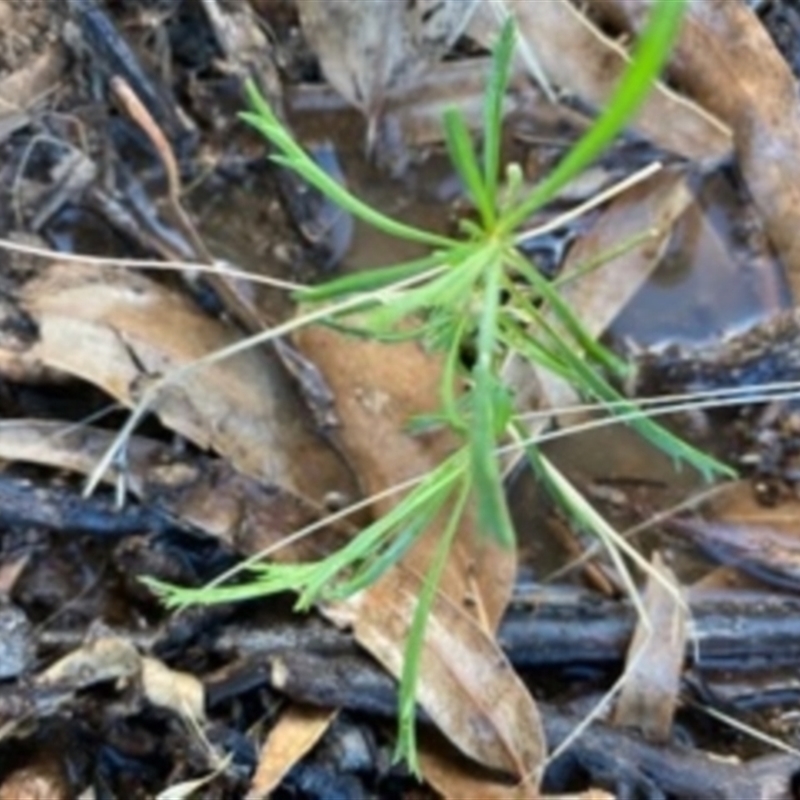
473,293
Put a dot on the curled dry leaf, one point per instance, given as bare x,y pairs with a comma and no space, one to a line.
120,331
180,692
106,658
361,61
297,730
110,658
466,684
649,695
554,27
759,103
762,542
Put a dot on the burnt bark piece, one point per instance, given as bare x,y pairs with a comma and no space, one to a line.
730,630
768,352
113,55
611,758
743,631
63,509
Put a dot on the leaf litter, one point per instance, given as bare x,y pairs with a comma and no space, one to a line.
235,407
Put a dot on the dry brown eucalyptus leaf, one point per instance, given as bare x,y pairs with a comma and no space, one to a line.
649,696
582,60
466,684
120,331
367,48
725,59
297,730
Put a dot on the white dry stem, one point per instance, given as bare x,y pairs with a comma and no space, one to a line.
219,267
711,401
687,401
597,200
615,544
525,50
743,727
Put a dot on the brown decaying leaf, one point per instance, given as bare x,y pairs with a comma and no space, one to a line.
44,779
759,103
297,730
553,28
649,695
378,389
120,330
109,658
361,61
466,685
597,296
762,542
205,493
455,777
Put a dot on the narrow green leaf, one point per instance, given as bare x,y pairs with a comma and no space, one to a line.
407,740
406,536
294,157
372,279
493,517
493,108
462,154
649,57
565,316
589,381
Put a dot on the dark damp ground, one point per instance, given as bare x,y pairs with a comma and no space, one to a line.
77,175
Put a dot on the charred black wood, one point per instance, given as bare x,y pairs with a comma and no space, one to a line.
112,55
623,763
729,630
62,509
734,692
739,631
130,211
767,352
611,758
326,228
